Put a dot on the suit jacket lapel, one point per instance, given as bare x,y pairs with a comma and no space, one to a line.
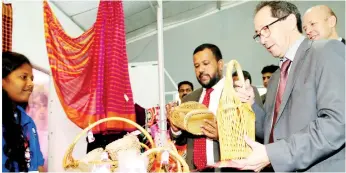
197,95
343,40
294,73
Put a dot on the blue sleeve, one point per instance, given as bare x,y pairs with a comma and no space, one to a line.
40,159
40,155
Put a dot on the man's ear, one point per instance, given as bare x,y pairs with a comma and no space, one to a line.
220,65
332,21
292,21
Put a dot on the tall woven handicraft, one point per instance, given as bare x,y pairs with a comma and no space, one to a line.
235,119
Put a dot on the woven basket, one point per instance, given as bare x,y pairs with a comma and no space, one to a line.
173,154
189,116
92,156
84,165
131,141
173,164
234,119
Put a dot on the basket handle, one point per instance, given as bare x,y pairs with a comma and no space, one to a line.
144,146
71,147
229,79
176,151
172,153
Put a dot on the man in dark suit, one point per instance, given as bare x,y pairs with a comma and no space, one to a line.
303,120
184,88
319,22
203,151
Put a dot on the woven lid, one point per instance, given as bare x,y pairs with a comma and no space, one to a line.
195,119
190,116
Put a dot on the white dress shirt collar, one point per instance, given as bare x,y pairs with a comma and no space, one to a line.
291,53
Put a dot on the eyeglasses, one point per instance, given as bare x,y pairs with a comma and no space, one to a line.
265,32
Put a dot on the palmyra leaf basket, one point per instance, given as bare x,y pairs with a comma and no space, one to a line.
234,118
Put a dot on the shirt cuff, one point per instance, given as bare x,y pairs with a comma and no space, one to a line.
175,133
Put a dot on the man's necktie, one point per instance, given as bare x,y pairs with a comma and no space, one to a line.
282,84
199,144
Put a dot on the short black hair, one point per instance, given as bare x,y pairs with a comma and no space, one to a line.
281,9
246,75
185,83
270,69
213,48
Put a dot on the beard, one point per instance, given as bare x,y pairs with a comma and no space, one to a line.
213,80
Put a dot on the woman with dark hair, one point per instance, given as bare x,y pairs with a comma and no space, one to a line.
20,145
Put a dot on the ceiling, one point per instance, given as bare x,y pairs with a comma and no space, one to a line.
140,16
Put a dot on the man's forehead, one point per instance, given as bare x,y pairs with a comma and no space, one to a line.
311,15
262,18
203,55
314,14
185,86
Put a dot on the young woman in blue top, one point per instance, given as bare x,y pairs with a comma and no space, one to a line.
20,145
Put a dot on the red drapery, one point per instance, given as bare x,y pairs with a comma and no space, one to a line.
91,71
7,18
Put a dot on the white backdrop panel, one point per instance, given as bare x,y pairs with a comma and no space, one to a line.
145,83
